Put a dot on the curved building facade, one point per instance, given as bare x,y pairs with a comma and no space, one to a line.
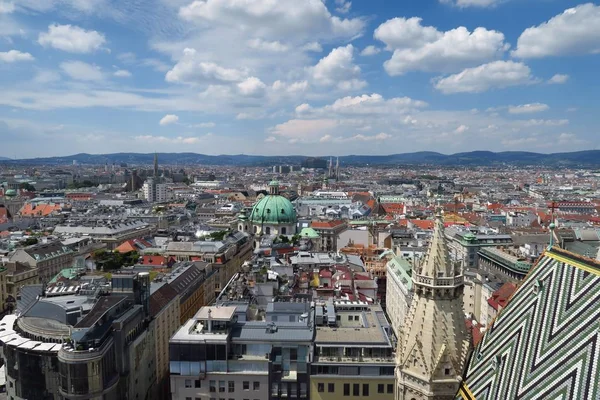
91,341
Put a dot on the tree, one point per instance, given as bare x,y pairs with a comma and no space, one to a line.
27,186
284,239
29,241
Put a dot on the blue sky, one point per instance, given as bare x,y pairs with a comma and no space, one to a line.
305,77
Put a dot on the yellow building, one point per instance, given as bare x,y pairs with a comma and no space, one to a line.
337,387
354,352
13,276
164,308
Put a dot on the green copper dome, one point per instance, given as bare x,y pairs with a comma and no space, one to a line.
273,209
10,193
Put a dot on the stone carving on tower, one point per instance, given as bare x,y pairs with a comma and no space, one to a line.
434,341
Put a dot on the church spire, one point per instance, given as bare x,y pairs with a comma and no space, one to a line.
434,341
155,165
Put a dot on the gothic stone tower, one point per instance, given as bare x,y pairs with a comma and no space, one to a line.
434,342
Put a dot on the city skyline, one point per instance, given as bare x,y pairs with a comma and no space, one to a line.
289,77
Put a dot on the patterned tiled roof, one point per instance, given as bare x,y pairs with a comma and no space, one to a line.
545,344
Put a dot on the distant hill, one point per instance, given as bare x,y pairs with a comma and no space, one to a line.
4,158
590,158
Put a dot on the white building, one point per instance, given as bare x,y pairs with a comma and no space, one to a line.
398,291
154,192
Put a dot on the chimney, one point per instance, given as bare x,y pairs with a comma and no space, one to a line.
209,321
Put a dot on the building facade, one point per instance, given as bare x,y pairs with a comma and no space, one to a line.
399,288
48,258
273,215
154,191
353,352
81,340
225,352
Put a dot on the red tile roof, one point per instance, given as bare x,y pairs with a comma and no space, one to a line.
501,296
325,273
422,223
39,210
132,245
326,224
158,260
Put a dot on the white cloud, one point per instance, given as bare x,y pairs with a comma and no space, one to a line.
204,125
271,139
313,46
356,138
12,56
370,51
528,108
558,79
252,87
6,7
373,104
294,87
168,119
305,130
302,108
72,39
122,73
168,140
423,48
190,69
497,74
472,3
545,122
81,71
274,46
337,68
46,76
273,20
399,33
575,31
461,129
343,6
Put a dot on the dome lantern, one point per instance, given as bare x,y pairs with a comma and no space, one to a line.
274,188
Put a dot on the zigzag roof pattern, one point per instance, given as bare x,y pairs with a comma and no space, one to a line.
545,344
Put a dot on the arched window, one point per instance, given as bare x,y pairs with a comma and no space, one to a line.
255,229
284,230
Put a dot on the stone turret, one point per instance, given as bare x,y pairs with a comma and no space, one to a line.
434,340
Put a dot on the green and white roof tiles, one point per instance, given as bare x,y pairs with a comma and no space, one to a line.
545,343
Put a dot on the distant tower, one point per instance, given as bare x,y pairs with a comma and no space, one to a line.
155,165
330,173
337,169
434,342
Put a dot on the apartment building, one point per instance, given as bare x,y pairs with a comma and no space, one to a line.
81,339
399,289
111,233
48,258
353,352
13,276
235,351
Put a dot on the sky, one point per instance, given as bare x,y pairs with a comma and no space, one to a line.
302,77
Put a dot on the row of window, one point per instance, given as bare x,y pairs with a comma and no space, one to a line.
221,385
381,388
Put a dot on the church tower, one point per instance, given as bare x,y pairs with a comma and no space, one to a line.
155,165
434,343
